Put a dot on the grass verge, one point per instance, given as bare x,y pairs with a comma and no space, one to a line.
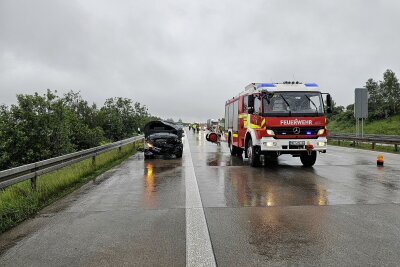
365,146
389,126
18,202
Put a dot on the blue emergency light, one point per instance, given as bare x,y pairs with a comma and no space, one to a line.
311,85
266,85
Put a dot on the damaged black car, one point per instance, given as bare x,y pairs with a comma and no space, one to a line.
162,138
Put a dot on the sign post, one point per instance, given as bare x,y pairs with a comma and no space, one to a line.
360,108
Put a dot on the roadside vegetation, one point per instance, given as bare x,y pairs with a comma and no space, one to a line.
39,127
389,126
383,108
18,202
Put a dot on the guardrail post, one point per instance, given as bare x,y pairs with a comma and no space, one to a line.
120,147
94,161
338,142
33,180
33,183
373,145
395,147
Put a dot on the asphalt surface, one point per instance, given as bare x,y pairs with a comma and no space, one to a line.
209,208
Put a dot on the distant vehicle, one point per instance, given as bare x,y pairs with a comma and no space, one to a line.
162,138
271,119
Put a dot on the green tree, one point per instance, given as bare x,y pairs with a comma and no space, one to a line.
84,121
376,102
34,129
121,118
390,89
39,127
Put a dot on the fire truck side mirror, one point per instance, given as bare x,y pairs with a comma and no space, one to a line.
250,104
329,103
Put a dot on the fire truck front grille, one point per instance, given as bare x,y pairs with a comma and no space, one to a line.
296,130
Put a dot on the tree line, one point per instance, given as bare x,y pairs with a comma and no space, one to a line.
383,101
39,127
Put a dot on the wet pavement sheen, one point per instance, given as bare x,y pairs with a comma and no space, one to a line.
344,211
285,214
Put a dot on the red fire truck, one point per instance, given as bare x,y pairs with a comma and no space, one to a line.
272,119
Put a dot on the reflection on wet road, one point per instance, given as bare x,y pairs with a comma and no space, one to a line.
285,214
343,211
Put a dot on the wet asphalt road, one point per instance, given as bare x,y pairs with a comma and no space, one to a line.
342,212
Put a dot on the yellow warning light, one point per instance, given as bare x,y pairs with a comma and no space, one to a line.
379,160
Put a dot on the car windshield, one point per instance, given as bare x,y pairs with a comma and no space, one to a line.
293,103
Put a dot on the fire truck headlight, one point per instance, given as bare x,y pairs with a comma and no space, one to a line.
321,131
270,144
270,132
321,143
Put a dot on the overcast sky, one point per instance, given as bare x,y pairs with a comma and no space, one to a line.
184,59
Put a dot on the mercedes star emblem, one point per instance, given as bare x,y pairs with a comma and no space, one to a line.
296,130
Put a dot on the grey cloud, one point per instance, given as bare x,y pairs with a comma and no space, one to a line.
185,58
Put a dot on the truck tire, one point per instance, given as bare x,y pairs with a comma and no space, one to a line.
252,154
308,160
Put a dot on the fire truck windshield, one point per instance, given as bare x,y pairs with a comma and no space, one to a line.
282,104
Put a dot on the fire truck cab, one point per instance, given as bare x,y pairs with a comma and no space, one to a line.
272,119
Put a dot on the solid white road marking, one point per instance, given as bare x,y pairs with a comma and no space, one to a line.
198,244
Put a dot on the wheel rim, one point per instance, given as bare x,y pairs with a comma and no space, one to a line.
249,152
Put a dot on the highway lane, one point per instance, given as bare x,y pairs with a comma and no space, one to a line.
343,211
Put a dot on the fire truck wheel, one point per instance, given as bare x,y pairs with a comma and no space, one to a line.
252,154
308,160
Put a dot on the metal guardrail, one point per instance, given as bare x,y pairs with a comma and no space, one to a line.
373,139
33,170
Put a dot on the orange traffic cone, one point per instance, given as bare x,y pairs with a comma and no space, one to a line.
379,160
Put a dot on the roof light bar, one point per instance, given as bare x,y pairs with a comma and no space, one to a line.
311,85
266,85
